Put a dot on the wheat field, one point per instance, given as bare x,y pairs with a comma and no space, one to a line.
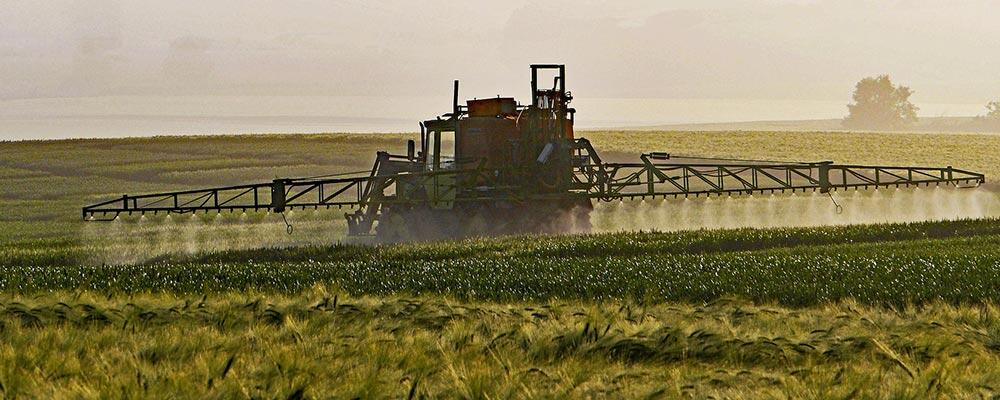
231,306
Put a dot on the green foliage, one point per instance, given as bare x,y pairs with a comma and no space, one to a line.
880,105
894,311
326,344
880,264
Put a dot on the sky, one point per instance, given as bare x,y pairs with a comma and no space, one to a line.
948,52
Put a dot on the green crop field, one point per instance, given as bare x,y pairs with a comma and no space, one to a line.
231,306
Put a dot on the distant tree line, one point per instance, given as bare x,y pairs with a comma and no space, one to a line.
993,110
879,104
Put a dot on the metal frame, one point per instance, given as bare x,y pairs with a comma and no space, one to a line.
603,181
276,196
617,181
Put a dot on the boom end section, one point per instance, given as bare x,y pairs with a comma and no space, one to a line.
653,178
279,195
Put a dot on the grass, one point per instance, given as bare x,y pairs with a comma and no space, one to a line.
956,262
326,344
230,306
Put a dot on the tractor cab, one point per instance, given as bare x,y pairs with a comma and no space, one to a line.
514,144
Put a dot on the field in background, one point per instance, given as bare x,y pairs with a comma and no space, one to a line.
45,184
194,307
924,125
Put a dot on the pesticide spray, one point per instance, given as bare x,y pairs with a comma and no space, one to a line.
885,205
129,240
139,239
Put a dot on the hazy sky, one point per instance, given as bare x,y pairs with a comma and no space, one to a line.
948,51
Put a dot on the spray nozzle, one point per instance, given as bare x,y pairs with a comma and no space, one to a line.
839,208
288,227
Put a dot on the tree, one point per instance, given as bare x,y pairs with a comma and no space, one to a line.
993,110
880,105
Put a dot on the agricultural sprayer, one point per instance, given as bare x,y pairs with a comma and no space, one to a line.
494,166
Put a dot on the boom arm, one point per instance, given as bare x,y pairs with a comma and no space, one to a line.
601,181
276,195
650,179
